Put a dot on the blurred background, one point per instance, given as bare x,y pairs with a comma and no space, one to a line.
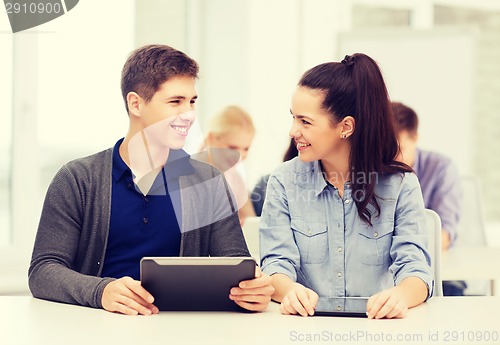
61,99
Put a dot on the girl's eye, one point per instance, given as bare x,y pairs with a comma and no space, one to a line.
305,122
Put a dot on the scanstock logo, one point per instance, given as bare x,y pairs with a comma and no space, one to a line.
27,14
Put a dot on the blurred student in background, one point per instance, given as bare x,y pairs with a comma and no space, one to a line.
258,195
230,135
345,218
439,180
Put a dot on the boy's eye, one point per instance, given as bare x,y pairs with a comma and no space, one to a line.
193,101
175,101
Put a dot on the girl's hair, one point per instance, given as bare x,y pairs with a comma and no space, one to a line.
231,118
355,87
292,151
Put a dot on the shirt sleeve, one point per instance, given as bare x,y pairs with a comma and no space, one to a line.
279,252
53,274
409,250
447,199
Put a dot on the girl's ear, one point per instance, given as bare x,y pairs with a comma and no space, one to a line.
347,126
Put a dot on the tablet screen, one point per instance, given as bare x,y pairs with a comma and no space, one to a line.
195,283
342,306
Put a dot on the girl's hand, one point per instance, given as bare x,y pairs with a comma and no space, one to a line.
390,303
299,300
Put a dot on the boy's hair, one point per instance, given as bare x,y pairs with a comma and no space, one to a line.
406,118
148,67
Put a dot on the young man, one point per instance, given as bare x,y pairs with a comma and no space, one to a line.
439,181
144,197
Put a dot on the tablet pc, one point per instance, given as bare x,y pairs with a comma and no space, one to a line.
195,283
341,306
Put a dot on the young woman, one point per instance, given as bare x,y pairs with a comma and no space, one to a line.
230,134
345,218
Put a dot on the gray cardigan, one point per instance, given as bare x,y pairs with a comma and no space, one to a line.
72,234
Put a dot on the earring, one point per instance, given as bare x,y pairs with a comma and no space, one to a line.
343,136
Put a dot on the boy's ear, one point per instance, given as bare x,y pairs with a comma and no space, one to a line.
134,102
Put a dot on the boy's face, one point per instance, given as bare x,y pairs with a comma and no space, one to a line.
168,116
408,146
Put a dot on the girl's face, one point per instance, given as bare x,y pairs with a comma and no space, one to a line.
237,140
312,129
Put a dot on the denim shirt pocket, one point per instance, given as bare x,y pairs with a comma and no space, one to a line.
311,239
374,242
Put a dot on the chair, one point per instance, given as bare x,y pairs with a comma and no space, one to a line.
434,226
251,233
471,231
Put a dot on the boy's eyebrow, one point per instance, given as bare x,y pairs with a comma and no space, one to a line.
181,97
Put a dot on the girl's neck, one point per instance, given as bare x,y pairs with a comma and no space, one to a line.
337,172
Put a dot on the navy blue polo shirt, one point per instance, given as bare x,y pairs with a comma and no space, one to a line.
143,225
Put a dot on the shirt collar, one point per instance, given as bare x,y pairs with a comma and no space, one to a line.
319,181
318,178
178,164
119,166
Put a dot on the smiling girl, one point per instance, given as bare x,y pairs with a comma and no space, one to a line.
345,218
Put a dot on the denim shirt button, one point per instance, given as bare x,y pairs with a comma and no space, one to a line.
375,234
347,201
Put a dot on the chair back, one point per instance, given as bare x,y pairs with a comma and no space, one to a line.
251,233
434,226
471,231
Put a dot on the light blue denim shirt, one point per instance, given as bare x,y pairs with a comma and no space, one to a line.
317,238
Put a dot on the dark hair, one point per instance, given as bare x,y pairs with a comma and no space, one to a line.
406,118
150,66
292,151
355,87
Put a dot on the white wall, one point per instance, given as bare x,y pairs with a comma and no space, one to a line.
431,71
67,102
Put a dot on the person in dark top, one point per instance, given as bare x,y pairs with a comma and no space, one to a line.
143,197
258,195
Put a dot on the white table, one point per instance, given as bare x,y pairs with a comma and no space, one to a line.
465,263
25,320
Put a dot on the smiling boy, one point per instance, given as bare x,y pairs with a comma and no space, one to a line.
143,197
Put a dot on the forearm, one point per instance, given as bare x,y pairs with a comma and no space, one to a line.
282,285
414,291
52,281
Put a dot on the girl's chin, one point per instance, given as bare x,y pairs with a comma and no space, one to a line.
306,158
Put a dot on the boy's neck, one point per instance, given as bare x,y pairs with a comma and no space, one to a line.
143,157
